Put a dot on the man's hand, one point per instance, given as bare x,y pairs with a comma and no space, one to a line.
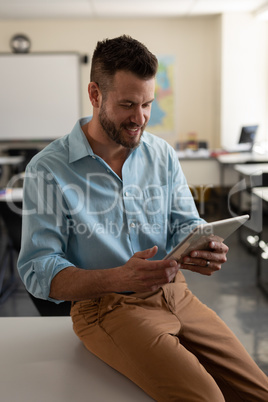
206,262
142,275
137,275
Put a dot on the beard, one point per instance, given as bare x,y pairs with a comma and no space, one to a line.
117,134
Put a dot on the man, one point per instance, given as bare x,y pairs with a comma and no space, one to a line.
103,206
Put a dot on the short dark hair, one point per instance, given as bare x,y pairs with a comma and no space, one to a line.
121,53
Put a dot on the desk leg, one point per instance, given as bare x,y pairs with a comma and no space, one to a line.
222,195
258,272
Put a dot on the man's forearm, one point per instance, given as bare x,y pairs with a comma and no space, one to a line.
74,284
137,275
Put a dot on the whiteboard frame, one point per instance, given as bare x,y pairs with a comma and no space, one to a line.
41,103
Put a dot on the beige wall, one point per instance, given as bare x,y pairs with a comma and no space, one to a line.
194,42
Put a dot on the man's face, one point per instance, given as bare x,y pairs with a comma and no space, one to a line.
126,108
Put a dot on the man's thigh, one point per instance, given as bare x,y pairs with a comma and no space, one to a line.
206,336
139,337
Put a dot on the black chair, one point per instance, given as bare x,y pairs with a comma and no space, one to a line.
13,223
8,278
27,154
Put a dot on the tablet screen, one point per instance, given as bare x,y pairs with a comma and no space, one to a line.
202,235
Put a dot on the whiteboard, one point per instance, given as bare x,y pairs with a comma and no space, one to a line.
40,95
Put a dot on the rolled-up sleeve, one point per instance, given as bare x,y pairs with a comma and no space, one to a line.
44,234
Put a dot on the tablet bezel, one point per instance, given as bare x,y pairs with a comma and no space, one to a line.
202,234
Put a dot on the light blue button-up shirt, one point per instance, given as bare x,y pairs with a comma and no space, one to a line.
78,212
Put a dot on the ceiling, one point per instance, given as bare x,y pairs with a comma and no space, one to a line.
31,9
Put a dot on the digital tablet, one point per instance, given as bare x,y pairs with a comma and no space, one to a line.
203,234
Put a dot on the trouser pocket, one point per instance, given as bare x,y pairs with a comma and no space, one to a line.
84,315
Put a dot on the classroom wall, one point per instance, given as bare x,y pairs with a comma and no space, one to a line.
244,76
193,42
201,46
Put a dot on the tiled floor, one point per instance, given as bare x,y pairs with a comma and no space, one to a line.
232,293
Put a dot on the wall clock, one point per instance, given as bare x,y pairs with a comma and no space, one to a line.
20,43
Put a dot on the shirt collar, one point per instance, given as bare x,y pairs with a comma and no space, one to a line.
78,144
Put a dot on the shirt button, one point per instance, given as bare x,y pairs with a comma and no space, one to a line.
132,225
93,157
108,170
127,194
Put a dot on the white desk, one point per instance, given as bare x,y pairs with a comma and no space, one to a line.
216,171
12,195
42,360
252,173
261,192
251,169
252,176
229,160
11,160
242,157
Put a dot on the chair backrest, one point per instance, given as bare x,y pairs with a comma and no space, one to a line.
264,179
13,224
27,153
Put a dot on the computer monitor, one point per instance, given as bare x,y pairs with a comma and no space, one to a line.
248,134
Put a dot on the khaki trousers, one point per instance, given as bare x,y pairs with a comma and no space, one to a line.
171,345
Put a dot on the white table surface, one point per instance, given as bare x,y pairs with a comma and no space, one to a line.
11,160
12,195
41,360
242,157
261,192
250,169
